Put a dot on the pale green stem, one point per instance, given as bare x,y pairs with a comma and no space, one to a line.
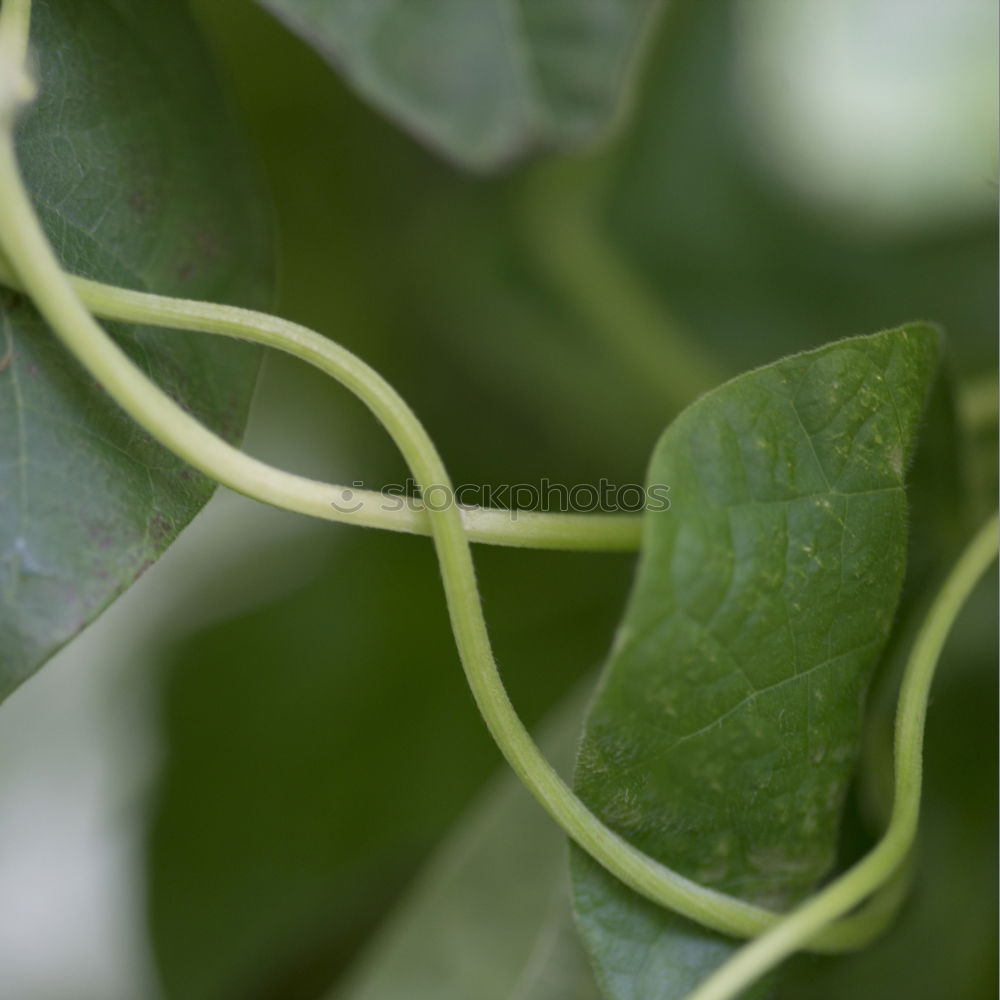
39,273
977,402
562,215
844,893
209,453
15,25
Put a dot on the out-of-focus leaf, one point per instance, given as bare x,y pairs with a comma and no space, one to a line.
140,181
318,747
741,261
481,80
489,917
729,718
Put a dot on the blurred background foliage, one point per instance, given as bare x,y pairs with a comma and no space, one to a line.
282,730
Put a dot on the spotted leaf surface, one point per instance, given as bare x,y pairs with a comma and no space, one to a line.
140,181
728,721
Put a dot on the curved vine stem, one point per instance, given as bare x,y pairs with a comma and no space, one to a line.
845,892
62,303
206,451
977,403
219,460
40,274
562,215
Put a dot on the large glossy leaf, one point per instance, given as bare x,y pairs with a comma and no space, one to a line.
729,718
489,916
482,80
140,181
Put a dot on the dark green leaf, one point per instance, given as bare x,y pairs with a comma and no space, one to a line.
490,915
318,747
729,718
140,181
483,81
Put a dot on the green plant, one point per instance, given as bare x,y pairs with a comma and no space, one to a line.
717,754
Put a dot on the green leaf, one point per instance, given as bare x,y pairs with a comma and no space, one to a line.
316,749
729,718
140,181
489,917
484,81
739,259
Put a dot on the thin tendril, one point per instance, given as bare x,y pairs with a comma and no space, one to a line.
219,460
844,893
